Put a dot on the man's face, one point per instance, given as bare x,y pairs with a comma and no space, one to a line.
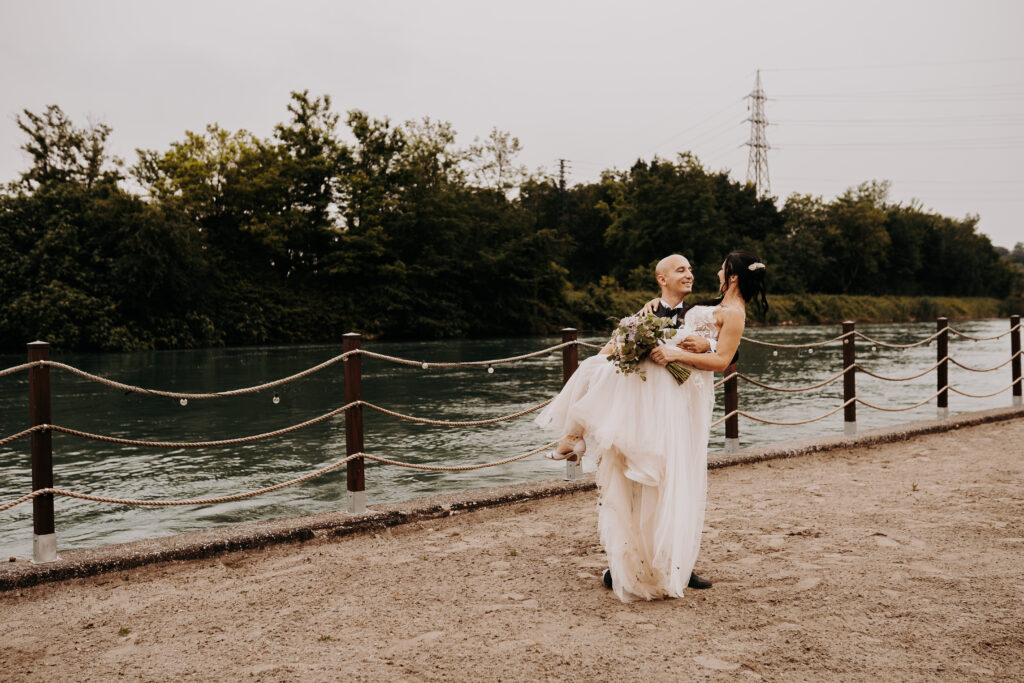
677,278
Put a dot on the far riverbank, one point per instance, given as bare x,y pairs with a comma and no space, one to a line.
593,306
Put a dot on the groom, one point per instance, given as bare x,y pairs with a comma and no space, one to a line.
675,278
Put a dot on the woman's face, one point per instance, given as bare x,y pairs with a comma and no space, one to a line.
721,278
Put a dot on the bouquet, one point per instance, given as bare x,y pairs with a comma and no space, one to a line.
635,337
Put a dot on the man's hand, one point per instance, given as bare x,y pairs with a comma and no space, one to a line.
663,355
695,344
650,306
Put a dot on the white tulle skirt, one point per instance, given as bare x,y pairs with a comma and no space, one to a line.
650,439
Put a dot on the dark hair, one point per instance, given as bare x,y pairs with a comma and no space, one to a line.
751,282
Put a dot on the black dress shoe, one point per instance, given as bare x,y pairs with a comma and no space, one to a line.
698,583
607,578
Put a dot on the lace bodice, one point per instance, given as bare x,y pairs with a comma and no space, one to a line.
700,320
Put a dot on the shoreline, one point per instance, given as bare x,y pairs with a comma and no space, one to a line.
785,310
87,562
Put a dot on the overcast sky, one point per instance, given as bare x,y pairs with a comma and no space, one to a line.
927,94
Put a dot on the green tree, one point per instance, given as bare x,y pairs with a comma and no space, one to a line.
856,239
89,265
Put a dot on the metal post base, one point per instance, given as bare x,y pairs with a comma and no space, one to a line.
732,446
574,469
850,428
1017,401
943,413
357,502
44,548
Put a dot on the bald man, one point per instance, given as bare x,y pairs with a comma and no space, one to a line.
675,278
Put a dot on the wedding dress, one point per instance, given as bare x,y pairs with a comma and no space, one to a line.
651,441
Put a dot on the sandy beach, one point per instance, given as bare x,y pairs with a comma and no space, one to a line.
898,561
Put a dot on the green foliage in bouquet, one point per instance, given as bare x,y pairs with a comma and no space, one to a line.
635,337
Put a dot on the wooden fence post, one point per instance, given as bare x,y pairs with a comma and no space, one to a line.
849,379
732,403
570,361
354,425
1015,363
44,537
942,370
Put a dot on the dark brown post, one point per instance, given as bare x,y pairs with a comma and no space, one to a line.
849,379
570,354
732,403
354,424
1015,363
942,371
570,361
44,538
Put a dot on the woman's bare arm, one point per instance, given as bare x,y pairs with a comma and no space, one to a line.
732,322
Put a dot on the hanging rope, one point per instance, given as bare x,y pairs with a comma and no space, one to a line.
997,336
897,346
276,383
797,389
797,346
267,435
896,410
470,363
964,393
201,444
777,422
268,489
444,423
726,379
1003,364
177,394
16,368
14,437
901,379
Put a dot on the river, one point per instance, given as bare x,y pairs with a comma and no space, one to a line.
449,394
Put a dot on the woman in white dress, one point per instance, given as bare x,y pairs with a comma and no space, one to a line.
651,437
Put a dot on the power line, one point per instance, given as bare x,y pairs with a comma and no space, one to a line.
901,123
912,65
678,134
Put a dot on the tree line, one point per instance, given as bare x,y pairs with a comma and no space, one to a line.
324,227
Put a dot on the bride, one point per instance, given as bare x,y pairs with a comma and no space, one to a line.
651,437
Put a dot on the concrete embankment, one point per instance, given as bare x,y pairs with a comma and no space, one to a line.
890,558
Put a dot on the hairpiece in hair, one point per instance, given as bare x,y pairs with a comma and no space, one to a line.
757,265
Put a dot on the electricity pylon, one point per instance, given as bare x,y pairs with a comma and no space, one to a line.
757,163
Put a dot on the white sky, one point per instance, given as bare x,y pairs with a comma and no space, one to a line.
929,92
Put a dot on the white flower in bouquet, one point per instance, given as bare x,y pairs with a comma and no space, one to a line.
633,340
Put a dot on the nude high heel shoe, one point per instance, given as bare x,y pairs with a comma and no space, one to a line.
575,452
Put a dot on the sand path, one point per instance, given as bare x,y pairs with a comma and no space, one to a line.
902,561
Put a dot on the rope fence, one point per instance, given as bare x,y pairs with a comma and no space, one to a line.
268,489
41,427
131,388
265,435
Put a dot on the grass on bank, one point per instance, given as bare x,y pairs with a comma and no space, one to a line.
593,305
